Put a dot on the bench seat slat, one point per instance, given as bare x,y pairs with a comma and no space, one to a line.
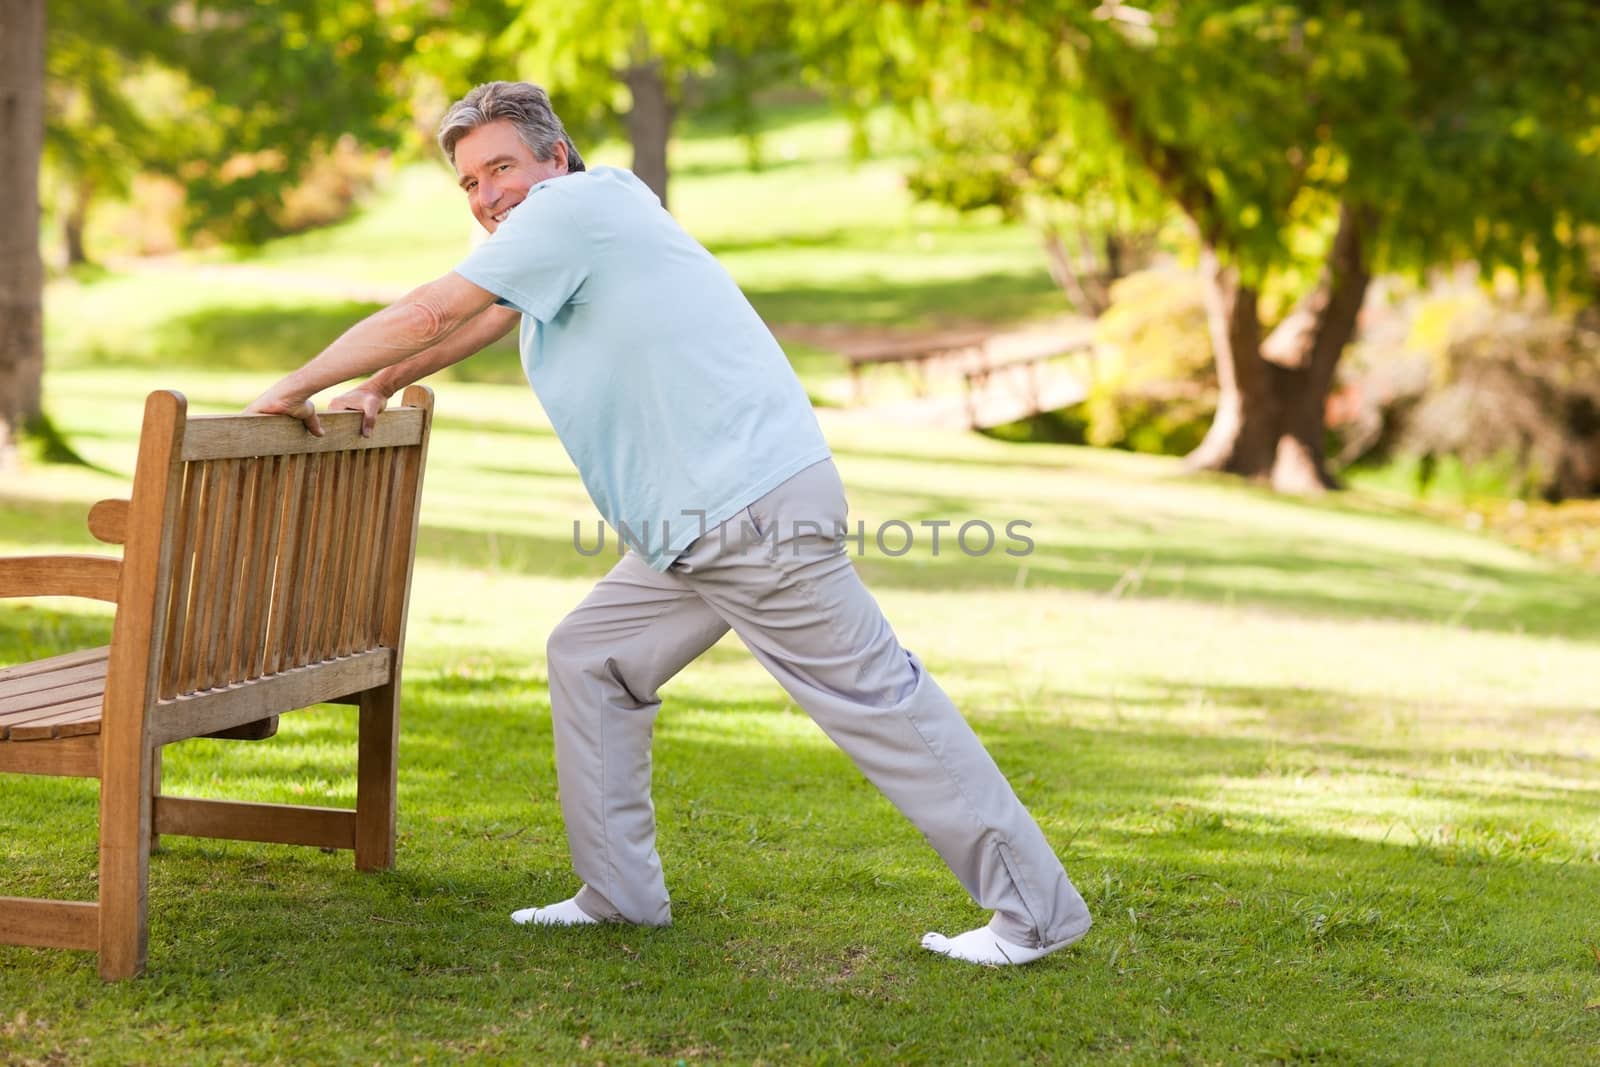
47,698
53,698
37,683
69,720
55,663
25,716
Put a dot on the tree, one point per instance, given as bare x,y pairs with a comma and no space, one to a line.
1053,162
277,85
1309,143
22,31
265,88
585,50
95,138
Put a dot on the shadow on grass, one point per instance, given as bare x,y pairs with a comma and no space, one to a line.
279,337
877,301
47,444
1187,560
466,424
267,338
1193,568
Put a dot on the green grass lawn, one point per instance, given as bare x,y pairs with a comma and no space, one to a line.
1325,772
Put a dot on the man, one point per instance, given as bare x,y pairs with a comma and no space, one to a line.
692,434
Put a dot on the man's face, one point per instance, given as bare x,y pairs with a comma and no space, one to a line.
497,170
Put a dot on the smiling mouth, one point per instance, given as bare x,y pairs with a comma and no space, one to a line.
501,217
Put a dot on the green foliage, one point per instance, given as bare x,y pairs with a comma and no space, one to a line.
95,130
236,98
281,84
709,53
1466,127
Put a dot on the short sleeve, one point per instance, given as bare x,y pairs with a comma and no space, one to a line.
537,259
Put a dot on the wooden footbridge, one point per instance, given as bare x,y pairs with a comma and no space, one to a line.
975,380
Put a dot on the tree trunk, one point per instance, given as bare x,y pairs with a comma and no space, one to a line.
21,270
1066,274
1244,432
1311,339
1273,395
649,124
76,221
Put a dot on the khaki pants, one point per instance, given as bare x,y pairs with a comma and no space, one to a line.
780,577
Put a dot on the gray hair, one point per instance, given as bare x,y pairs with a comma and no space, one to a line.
524,105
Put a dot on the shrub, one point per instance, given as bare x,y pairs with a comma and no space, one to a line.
1518,389
1155,385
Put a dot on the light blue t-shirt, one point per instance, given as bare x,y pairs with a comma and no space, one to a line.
665,387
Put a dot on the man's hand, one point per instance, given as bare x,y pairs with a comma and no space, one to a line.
367,398
280,401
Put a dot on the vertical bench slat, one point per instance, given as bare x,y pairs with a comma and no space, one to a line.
252,600
393,511
284,582
377,537
333,588
208,575
376,567
338,562
315,530
345,642
239,603
184,540
231,562
317,627
304,558
208,526
271,507
349,637
361,589
213,623
267,507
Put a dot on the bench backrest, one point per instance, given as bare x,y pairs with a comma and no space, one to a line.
265,569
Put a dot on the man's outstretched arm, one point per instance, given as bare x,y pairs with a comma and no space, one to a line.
372,395
423,319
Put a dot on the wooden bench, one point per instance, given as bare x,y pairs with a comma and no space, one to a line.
263,570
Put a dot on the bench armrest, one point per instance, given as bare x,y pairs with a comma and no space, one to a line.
92,577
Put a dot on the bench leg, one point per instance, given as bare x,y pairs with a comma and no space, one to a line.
125,865
377,763
155,791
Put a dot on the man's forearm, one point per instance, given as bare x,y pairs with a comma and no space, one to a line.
381,340
425,317
485,328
